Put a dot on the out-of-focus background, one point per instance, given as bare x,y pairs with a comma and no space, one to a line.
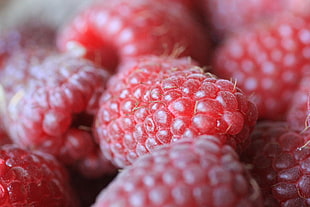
55,12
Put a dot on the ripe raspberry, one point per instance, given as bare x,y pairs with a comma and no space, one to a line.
298,115
198,172
230,16
33,179
267,61
116,30
159,100
50,103
280,158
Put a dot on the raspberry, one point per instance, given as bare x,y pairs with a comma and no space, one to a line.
198,172
280,159
267,61
110,32
158,100
298,115
33,179
50,102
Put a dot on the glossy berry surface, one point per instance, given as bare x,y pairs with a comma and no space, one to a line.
112,31
280,159
158,100
33,179
197,172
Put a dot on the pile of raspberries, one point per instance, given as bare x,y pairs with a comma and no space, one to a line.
158,103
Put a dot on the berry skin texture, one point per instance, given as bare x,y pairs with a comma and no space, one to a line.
33,179
196,172
110,32
49,104
280,158
159,100
267,61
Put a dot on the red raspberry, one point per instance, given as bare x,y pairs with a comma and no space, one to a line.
280,158
160,100
186,173
228,16
33,179
50,103
298,115
267,61
115,30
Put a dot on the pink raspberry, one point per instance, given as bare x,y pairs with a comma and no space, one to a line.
197,172
158,100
